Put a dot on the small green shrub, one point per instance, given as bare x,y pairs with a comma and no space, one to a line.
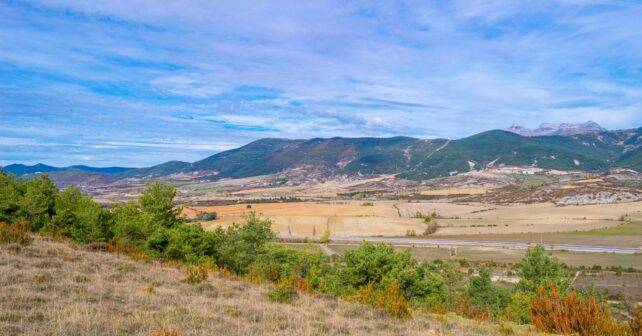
431,227
204,217
325,238
519,309
282,293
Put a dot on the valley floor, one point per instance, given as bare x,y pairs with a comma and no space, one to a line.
396,218
58,288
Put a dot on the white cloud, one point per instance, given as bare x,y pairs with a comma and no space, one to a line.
187,86
115,74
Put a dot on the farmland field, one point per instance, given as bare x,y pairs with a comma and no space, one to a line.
309,218
395,218
626,235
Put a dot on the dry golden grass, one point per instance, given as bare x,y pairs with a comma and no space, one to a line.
56,288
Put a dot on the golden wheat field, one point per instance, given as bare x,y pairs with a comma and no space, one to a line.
394,218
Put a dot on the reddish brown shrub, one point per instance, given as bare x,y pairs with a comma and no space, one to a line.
462,306
17,232
390,298
300,284
636,322
554,313
164,331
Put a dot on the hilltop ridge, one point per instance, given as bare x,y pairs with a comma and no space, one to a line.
411,158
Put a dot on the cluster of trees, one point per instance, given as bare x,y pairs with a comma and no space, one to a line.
372,274
150,225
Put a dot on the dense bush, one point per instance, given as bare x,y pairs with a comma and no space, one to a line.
538,268
157,200
187,243
380,265
278,262
80,218
484,294
555,312
132,226
38,201
11,191
241,244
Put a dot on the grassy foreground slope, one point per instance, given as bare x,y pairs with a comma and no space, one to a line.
56,288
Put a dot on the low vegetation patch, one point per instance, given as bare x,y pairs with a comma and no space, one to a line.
390,298
282,293
165,331
17,233
196,274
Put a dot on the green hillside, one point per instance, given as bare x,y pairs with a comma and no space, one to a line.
250,160
162,169
497,147
631,160
345,155
409,157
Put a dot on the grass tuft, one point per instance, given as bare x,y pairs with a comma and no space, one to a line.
164,331
16,233
196,274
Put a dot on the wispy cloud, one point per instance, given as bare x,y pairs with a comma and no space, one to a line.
135,83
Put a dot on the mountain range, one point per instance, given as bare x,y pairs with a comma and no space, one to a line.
20,169
587,148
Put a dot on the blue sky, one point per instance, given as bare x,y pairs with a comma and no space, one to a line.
140,82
